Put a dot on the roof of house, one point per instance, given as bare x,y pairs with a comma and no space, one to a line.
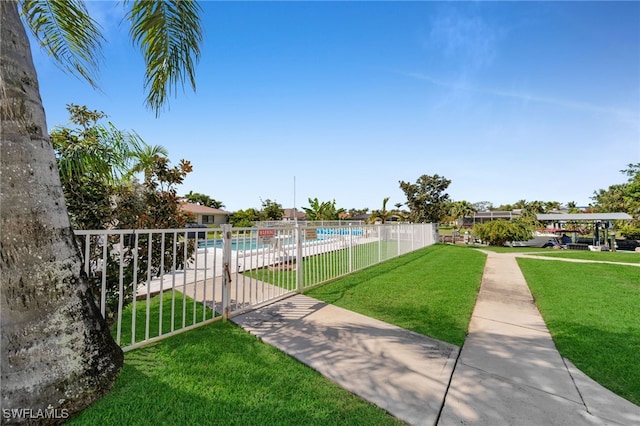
288,213
363,216
584,216
495,214
198,209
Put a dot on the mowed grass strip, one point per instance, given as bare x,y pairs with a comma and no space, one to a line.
220,375
598,256
324,266
505,249
431,291
592,311
601,256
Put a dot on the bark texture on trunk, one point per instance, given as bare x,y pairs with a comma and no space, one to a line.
56,350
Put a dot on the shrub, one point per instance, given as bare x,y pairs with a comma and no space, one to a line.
630,232
498,232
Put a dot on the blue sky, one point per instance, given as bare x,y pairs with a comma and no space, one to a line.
508,100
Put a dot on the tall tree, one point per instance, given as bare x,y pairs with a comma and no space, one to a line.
271,210
203,200
624,197
98,151
57,352
325,210
426,198
483,206
244,218
94,162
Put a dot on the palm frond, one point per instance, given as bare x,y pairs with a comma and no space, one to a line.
67,32
169,36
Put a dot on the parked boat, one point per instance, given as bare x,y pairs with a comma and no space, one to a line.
542,237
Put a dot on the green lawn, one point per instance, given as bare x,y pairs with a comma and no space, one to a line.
186,312
325,266
431,291
220,375
593,314
605,256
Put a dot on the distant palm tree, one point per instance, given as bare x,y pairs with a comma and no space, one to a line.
550,206
572,207
146,157
57,352
381,215
459,210
532,208
520,204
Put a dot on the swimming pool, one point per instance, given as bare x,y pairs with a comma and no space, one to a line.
236,244
240,244
252,243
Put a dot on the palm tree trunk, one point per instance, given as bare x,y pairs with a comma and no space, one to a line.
56,351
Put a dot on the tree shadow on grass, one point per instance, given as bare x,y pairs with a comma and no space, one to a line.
219,374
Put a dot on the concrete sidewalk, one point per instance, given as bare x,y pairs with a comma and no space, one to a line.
510,372
507,373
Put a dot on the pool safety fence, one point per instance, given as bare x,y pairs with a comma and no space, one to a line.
153,283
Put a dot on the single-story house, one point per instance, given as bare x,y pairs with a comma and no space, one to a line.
204,215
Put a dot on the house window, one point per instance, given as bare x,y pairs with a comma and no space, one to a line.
207,219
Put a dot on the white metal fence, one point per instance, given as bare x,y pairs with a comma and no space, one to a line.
150,284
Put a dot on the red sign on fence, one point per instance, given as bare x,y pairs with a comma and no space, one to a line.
266,232
266,236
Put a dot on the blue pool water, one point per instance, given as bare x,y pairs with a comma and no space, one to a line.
241,244
236,244
252,243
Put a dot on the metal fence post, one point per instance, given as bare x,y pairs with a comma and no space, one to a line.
379,226
299,268
226,273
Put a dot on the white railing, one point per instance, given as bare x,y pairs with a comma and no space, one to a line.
150,284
